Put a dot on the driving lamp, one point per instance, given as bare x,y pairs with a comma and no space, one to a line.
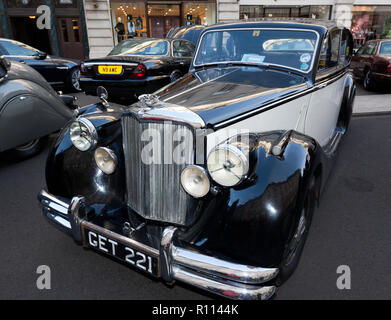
106,160
227,165
83,134
195,181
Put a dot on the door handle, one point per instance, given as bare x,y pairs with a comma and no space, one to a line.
321,86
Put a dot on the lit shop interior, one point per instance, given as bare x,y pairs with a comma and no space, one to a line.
149,19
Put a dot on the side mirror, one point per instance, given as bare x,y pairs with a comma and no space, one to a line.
42,55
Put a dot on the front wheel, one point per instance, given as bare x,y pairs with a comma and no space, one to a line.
295,245
368,81
28,149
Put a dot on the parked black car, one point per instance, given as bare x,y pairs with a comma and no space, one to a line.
137,66
190,33
214,179
29,109
61,73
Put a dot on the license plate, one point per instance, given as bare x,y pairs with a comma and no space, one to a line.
125,249
110,69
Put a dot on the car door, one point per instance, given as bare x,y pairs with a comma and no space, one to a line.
365,58
182,52
357,63
325,102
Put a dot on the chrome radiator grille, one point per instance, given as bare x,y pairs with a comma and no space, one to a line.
154,190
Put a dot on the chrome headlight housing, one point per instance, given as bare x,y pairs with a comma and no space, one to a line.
228,164
83,134
195,181
106,160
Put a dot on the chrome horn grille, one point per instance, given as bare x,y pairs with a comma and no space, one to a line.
154,190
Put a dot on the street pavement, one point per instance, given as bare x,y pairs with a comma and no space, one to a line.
351,227
368,102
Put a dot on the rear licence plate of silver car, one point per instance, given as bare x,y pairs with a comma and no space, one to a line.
125,249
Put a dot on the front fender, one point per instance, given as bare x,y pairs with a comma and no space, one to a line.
71,172
251,223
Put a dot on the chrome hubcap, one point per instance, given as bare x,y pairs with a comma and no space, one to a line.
367,80
75,79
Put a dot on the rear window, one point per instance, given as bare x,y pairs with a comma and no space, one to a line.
385,48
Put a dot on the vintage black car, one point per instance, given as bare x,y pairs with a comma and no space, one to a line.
61,73
137,66
29,109
212,180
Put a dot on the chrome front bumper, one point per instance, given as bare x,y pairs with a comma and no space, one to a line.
230,280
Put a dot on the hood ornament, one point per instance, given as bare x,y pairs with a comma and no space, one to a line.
148,100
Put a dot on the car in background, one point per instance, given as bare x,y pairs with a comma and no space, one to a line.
190,33
29,110
61,73
137,66
372,64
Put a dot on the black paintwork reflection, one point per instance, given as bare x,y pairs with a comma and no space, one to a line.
71,172
251,224
218,94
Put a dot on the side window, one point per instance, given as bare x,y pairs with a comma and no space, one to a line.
18,49
370,48
335,46
345,52
329,53
183,49
361,50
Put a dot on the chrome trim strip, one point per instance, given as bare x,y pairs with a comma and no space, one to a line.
279,65
265,107
108,63
172,112
226,290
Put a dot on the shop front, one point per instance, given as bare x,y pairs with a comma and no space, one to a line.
315,12
155,18
66,36
370,22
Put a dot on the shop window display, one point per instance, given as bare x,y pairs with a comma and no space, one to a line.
370,22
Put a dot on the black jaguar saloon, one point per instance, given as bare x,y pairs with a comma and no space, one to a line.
213,180
61,73
137,66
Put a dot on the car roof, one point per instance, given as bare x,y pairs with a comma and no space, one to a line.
322,26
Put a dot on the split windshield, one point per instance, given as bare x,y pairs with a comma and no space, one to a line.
289,48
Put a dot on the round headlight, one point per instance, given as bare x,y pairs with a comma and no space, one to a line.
83,134
195,181
106,160
227,165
